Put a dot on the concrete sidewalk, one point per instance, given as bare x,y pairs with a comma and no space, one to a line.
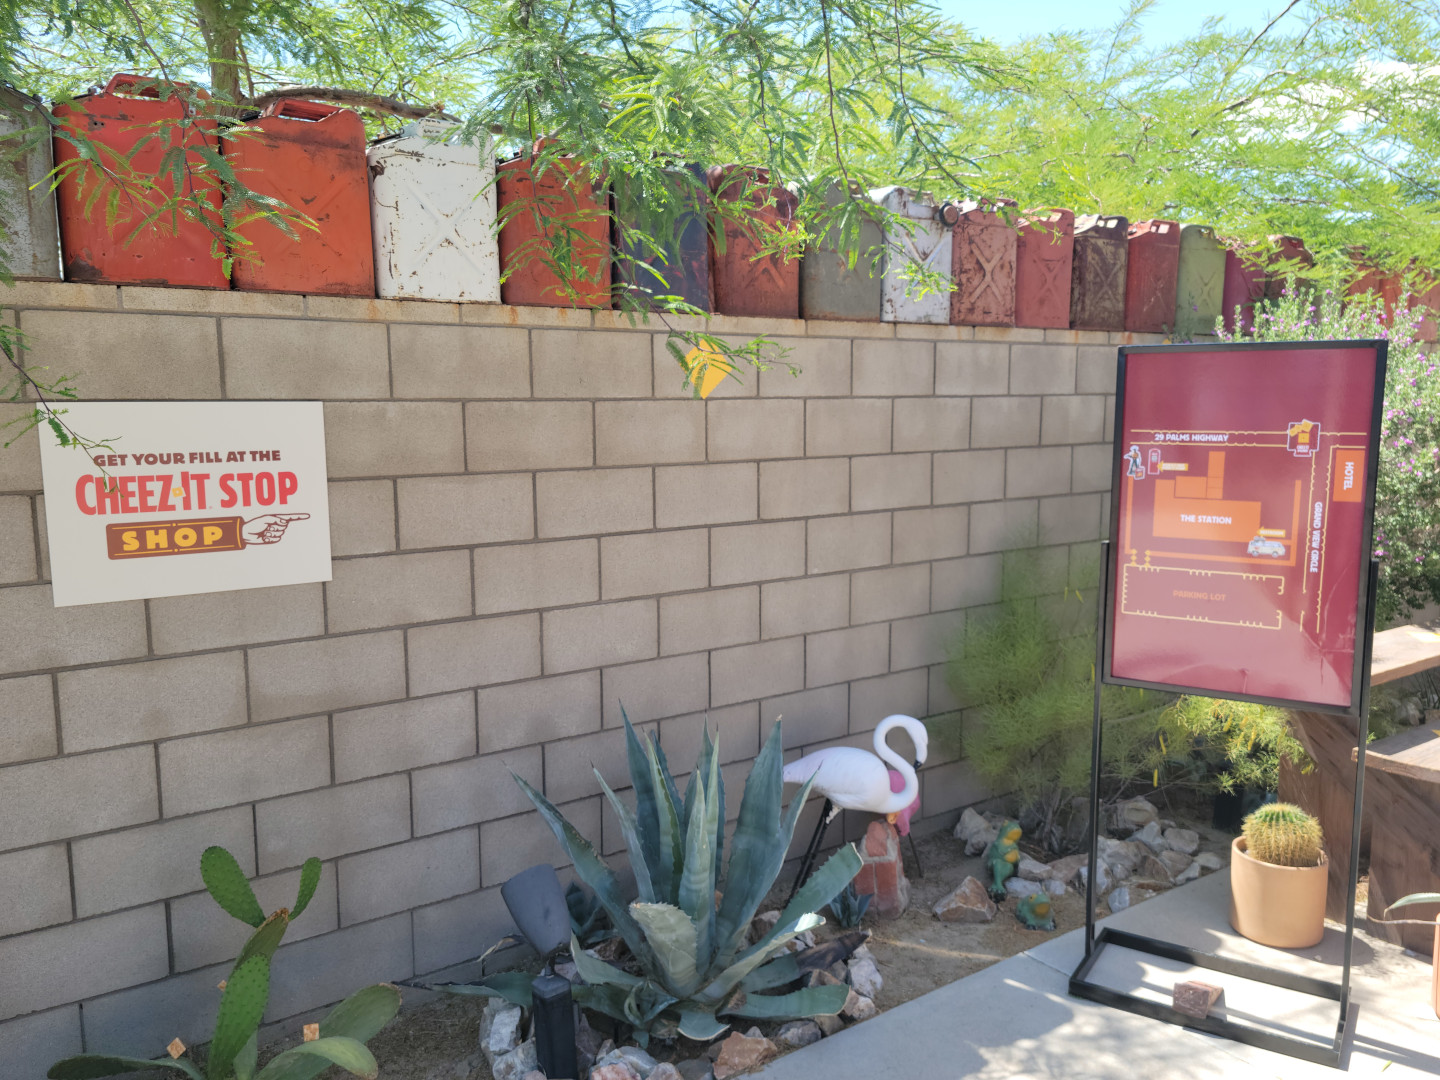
1016,1019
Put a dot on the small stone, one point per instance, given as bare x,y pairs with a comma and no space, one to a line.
616,1070
822,978
830,1024
1190,873
976,831
504,1033
858,1007
762,924
865,977
1119,855
696,1069
1021,887
521,1060
839,970
1055,887
1103,880
795,1034
1175,862
1136,813
1033,869
566,969
1208,860
1196,998
1119,899
1153,868
1066,869
534,1074
1152,837
741,1053
632,1056
1185,841
604,1048
666,1071
863,953
970,903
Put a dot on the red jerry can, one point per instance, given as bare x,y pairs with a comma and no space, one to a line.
1044,260
128,110
744,285
1244,287
1428,300
983,261
312,158
1097,279
547,205
1289,254
1371,279
1151,276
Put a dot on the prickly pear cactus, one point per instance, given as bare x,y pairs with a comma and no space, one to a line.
1284,835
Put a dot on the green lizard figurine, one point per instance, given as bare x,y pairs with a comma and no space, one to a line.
1002,857
1035,912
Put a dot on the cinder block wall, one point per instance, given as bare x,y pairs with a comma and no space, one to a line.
532,522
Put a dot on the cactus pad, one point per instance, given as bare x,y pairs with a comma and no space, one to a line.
241,1008
226,882
1284,835
309,882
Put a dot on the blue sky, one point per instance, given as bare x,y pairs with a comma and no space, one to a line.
1167,21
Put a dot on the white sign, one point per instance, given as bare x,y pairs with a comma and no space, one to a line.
193,497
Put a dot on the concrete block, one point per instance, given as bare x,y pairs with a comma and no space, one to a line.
1031,471
74,796
943,698
804,488
949,787
873,699
1066,519
459,361
135,866
893,368
391,879
475,652
824,369
570,764
748,672
395,590
1073,419
844,328
889,480
268,358
1006,421
849,426
34,889
369,309
243,765
208,301
362,517
332,673
841,655
35,634
156,699
64,294
42,538
20,464
331,821
999,526
969,476
507,315
440,511
325,969
33,1043
964,369
1084,566
18,560
600,634
754,430
243,617
963,583
742,553
523,576
892,593
1037,571
670,381
809,717
127,357
29,728
515,435
1042,369
938,533
595,501
535,712
804,605
82,959
1095,369
642,564
924,640
446,933
406,735
590,364
649,432
142,1020
704,495
709,620
666,687
393,438
203,934
475,790
1092,467
735,729
512,844
848,543
1109,432
932,423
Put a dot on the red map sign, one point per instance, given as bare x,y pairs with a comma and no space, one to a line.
1242,518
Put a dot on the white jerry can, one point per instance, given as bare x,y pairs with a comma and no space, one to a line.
928,245
29,234
432,203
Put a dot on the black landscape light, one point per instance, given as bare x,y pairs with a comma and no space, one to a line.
537,904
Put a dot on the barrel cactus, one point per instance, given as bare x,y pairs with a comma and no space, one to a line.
1284,835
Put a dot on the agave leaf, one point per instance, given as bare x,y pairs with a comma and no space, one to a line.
94,1066
718,789
796,1005
362,1014
351,1055
309,882
701,1026
778,972
672,849
754,848
630,831
608,999
242,1006
665,774
672,936
1414,898
644,1003
247,1060
697,882
513,986
597,972
721,987
226,882
823,885
647,814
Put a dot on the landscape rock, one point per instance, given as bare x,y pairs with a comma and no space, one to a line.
1120,856
696,1069
1068,868
741,1053
534,1074
865,977
1175,862
762,924
976,831
1119,899
863,952
969,903
566,969
616,1070
822,978
503,1035
1104,878
1208,860
1152,836
1021,887
631,1056
1190,873
1136,813
1185,841
829,1025
1033,869
795,1034
521,1060
1054,887
857,1008
666,1071
840,971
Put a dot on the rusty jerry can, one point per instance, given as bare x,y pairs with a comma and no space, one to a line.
681,272
554,221
312,158
29,232
829,287
927,244
745,285
432,211
128,110
1044,259
1244,287
1150,277
983,261
1289,254
1097,280
1200,286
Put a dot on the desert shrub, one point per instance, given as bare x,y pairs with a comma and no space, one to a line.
1213,744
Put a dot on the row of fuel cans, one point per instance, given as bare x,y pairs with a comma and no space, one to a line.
414,216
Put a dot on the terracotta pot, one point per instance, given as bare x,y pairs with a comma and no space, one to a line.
1279,906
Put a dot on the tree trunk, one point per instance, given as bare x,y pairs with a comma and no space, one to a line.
220,26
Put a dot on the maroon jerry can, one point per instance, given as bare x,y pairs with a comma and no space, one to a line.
1097,276
1244,288
983,262
1288,254
1044,259
767,287
1151,276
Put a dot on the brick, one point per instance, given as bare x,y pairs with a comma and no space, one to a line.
1095,369
231,767
33,1043
240,617
926,639
969,476
1006,421
29,728
932,424
735,729
510,435
1042,369
649,432
804,488
1068,518
666,687
643,564
1031,471
892,593
590,364
848,543
34,633
476,652
209,301
709,620
594,501
309,974
362,517
65,797
18,560
601,634
903,692
459,361
968,582
157,699
893,368
393,438
890,480
949,787
275,358
804,605
395,590
809,717
331,821
442,511
1074,419
753,430
840,655
824,369
81,960
478,789
135,866
744,553
850,426
204,934
704,495
1000,525
20,463
392,738
1092,468
391,879
523,576
445,933
128,357
570,764
748,672
515,843
538,711
333,673
971,368
34,889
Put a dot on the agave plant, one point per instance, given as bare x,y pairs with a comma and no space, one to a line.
850,906
696,963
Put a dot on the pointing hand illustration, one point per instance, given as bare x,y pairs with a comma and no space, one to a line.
268,528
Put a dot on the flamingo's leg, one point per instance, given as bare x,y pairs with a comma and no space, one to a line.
827,813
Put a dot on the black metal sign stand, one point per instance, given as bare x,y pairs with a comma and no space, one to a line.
1080,984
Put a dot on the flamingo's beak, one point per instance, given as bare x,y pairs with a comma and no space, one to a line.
917,765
